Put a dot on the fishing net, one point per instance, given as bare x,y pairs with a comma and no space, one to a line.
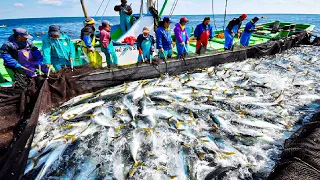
20,109
301,156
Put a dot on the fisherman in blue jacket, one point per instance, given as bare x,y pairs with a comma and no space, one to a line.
248,30
231,30
145,45
58,49
164,40
20,53
203,33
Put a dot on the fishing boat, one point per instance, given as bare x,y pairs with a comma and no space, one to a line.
128,55
3,26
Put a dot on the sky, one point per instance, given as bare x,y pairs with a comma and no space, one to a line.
11,9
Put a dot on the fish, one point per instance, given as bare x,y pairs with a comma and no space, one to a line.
77,99
80,110
54,155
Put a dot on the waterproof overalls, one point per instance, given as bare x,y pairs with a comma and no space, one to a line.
203,33
125,20
232,27
181,36
146,45
107,47
88,40
17,54
164,41
26,59
58,52
247,33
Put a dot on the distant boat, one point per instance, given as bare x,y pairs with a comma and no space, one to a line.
3,26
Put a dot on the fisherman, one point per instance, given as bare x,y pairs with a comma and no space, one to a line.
107,45
19,53
145,45
88,41
182,37
203,33
164,40
125,12
231,30
248,30
58,49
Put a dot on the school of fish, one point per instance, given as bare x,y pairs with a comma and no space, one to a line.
223,122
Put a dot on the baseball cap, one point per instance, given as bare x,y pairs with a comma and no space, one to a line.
167,19
146,30
244,16
54,30
22,32
105,22
184,19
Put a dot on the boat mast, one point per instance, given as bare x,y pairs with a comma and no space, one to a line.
163,7
84,9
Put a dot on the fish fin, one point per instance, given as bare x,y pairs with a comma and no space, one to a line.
201,156
173,177
179,123
69,126
89,115
134,167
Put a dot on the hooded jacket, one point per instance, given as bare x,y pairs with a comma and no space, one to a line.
61,48
178,33
105,37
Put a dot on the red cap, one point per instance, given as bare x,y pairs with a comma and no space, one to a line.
184,19
244,16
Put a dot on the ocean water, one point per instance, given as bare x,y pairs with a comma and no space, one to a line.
38,27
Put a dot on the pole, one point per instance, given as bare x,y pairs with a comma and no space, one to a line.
84,9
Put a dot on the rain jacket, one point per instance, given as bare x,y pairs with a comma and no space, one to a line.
164,39
105,36
9,52
246,35
178,33
201,28
58,52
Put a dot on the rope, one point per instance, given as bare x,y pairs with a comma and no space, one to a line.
214,20
99,9
225,14
105,10
173,7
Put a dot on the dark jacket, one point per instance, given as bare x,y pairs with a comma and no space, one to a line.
87,34
232,23
9,52
141,38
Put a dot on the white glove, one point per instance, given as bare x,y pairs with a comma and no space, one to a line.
182,44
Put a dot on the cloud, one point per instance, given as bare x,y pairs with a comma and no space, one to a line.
50,2
18,4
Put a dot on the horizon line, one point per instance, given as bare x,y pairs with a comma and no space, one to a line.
162,15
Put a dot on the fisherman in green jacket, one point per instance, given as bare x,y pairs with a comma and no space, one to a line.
58,49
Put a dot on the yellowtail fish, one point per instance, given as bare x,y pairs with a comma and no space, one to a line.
80,109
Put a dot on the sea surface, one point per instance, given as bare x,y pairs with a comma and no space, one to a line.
38,27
